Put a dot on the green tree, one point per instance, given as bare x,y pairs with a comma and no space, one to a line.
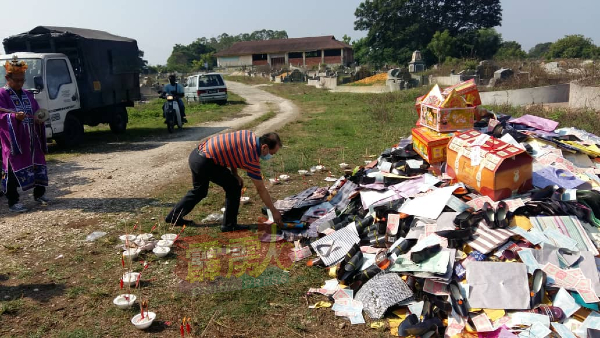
178,62
346,39
480,44
540,50
510,50
395,28
573,46
361,51
442,45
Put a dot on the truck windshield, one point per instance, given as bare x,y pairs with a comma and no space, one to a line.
34,68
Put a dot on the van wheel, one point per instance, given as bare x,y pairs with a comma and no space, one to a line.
119,123
73,133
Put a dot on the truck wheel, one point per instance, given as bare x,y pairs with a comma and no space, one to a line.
73,133
119,124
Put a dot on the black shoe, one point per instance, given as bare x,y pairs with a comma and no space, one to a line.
234,228
184,120
180,222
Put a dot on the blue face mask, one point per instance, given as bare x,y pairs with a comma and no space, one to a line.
266,157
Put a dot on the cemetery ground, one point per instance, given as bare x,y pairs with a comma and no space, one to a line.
65,287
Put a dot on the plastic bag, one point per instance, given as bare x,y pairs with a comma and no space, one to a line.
216,217
95,235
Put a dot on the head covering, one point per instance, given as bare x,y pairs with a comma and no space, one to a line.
15,66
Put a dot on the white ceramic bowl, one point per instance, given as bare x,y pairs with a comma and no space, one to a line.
130,278
320,168
124,238
344,165
145,323
164,243
145,237
244,199
161,251
302,172
169,237
130,253
284,177
124,303
274,181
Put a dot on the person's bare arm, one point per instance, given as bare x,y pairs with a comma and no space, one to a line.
266,198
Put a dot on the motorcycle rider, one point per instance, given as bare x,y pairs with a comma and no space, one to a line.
176,90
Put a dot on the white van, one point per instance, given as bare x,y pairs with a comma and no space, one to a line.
206,88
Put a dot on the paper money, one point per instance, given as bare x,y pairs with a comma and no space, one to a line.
300,254
526,256
537,330
477,203
584,288
357,319
435,288
566,302
482,323
551,269
340,294
562,330
392,224
322,291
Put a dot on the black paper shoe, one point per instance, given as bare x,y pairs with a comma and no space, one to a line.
538,288
489,215
502,215
425,254
459,304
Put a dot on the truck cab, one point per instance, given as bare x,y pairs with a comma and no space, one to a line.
52,80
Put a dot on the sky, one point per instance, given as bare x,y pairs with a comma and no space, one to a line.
158,25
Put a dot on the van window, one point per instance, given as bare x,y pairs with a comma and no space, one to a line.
193,81
57,74
210,81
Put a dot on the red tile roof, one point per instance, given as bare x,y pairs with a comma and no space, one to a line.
284,45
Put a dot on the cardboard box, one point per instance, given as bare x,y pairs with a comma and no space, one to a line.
430,144
468,90
492,167
418,108
445,120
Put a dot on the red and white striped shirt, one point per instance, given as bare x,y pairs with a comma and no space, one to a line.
240,149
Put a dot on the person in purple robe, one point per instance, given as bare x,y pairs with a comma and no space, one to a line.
23,139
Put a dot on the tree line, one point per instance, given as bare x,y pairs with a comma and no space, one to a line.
447,29
200,54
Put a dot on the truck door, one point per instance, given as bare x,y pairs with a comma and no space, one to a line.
62,91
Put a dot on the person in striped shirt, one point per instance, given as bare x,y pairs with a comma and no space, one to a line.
217,160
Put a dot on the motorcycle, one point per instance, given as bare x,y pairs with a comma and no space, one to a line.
171,112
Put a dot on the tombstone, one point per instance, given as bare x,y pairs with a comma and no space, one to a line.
416,64
486,69
503,74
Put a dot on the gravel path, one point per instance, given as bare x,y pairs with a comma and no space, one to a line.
110,181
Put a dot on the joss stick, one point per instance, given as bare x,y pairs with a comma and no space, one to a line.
177,219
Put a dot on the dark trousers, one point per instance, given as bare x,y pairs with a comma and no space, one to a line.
204,170
11,189
181,107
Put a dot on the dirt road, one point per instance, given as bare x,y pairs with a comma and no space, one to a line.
121,179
